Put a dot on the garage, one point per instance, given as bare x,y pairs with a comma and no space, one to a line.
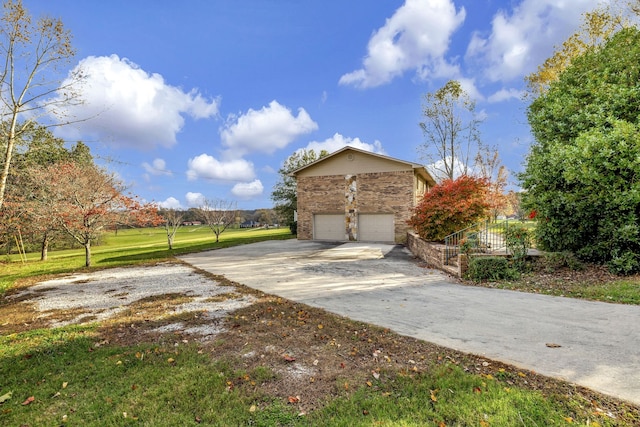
329,227
376,228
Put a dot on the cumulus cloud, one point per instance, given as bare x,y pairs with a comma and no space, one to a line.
205,166
248,190
266,130
157,167
416,38
129,107
194,199
338,141
522,39
505,95
170,203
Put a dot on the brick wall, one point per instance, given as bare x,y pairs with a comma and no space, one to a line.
382,192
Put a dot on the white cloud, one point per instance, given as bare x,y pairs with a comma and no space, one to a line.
416,38
338,141
248,190
505,95
266,130
157,167
128,107
205,166
522,39
194,199
170,203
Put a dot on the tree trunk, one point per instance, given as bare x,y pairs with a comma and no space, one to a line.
45,248
170,239
87,253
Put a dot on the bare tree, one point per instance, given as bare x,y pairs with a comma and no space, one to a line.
218,214
172,221
451,131
32,81
488,166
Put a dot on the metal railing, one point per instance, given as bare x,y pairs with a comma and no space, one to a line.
482,237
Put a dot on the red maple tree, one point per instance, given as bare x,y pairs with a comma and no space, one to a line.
450,206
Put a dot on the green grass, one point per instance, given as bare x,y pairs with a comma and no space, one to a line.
620,291
131,246
73,382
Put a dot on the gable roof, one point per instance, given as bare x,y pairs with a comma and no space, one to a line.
418,168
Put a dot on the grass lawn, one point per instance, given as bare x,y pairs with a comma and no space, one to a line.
276,363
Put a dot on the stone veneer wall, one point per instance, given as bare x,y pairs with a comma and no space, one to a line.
433,254
364,193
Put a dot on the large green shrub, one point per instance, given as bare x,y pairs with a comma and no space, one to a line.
582,173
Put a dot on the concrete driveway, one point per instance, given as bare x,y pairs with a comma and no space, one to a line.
593,344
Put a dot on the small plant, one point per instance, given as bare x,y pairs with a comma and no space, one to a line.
484,268
518,241
466,246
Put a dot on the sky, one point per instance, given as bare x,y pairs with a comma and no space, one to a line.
207,98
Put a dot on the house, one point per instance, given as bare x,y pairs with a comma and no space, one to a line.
356,195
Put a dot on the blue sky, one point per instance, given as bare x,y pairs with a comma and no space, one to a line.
207,98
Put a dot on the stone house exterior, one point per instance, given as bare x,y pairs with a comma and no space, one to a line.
356,195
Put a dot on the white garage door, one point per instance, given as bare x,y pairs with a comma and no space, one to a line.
329,227
376,228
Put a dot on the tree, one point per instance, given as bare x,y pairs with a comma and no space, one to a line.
31,79
85,201
451,130
488,166
26,208
172,221
450,206
218,214
581,175
284,192
597,27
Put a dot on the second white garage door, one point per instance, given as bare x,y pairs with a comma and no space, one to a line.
376,228
329,227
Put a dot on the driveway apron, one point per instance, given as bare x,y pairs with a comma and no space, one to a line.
593,344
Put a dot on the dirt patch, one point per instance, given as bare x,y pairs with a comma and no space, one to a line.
314,355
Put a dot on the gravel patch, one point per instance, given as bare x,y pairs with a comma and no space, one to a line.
101,295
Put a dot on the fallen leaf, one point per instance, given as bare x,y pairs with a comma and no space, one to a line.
521,374
171,360
375,375
484,424
569,420
477,390
365,412
320,326
253,408
288,358
28,401
433,396
294,399
57,394
65,384
369,383
553,345
6,397
198,420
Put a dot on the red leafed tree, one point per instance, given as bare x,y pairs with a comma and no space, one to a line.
450,206
85,201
